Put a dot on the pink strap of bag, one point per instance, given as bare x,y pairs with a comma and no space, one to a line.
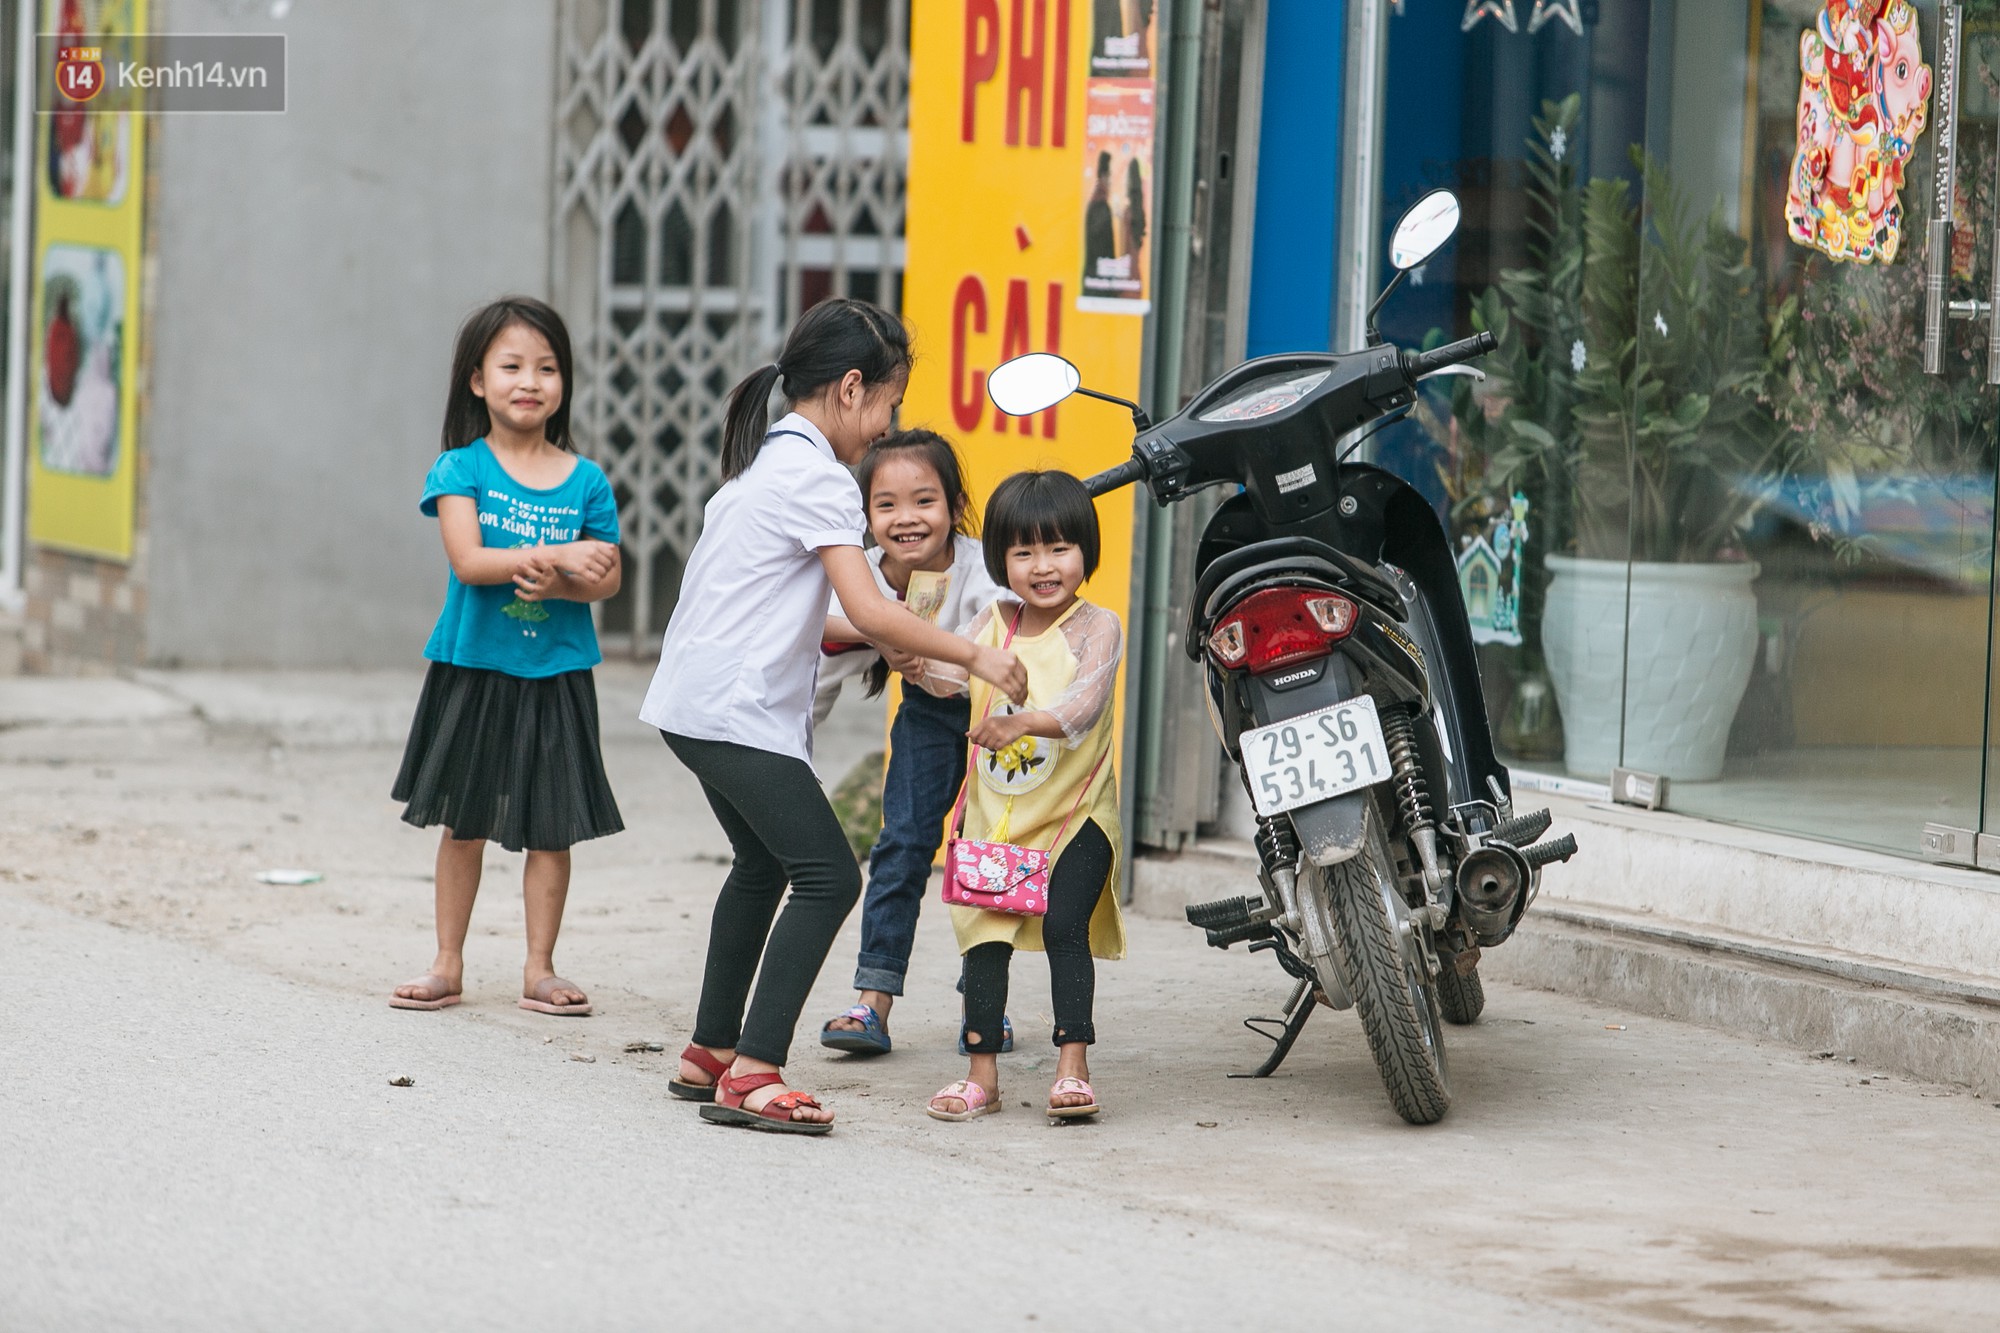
1000,876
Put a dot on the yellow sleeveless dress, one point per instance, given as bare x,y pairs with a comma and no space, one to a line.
1023,794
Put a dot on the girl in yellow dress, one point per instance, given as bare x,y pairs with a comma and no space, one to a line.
1041,777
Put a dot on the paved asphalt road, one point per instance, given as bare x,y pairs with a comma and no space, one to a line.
200,1130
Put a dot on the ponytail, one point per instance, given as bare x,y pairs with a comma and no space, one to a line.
832,338
748,418
877,678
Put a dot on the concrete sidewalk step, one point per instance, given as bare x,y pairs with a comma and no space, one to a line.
1757,884
1874,1026
85,701
1914,1019
1862,969
298,707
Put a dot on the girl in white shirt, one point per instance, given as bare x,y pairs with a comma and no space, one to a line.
733,693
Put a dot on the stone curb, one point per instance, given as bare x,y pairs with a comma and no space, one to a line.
1689,977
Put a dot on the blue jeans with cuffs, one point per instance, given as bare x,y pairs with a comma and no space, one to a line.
926,768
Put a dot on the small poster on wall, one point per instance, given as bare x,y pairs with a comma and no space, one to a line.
83,362
1864,97
90,144
1117,182
82,337
1121,39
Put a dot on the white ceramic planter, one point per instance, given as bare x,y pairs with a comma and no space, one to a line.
1693,640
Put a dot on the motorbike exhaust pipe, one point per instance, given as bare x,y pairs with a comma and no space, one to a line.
1491,881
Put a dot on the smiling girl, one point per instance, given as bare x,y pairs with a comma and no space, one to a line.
921,516
504,745
1041,777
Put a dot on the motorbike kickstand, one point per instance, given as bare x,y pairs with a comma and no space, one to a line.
1297,1010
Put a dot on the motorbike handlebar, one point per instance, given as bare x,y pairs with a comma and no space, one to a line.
1127,472
1416,365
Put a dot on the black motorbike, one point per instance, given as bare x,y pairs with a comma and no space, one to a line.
1342,681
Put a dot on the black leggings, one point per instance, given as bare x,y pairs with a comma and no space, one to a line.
782,830
1074,885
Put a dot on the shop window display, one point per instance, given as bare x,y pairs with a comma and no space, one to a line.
1756,537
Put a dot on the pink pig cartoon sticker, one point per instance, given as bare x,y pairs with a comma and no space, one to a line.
1864,98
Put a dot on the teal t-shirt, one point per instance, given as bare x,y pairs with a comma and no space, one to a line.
488,626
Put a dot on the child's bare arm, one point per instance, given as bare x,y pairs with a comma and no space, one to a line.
597,575
891,625
580,571
1003,729
472,560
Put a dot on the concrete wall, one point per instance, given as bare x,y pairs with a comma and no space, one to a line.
312,269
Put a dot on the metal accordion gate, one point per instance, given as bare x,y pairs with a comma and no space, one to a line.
721,165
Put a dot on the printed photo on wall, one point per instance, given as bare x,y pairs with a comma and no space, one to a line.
1118,195
1121,39
90,150
83,330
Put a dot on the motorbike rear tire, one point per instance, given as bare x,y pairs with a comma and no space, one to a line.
1461,996
1396,1000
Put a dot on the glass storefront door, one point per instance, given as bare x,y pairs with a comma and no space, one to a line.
1871,519
1721,517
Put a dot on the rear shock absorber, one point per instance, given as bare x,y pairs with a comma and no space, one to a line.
1413,798
1278,850
1277,844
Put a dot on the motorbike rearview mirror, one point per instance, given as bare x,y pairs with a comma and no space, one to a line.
1420,233
1029,384
1423,230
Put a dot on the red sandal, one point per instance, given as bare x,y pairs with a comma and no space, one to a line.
707,1064
776,1117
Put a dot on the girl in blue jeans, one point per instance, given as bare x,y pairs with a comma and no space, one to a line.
926,553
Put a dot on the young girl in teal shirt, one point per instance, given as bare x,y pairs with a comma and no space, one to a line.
504,745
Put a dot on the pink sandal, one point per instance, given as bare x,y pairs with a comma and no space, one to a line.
440,998
977,1103
537,1000
1072,1085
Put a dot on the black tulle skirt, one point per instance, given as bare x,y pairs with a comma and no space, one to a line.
511,760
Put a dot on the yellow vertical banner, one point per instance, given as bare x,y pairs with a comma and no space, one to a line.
83,334
995,232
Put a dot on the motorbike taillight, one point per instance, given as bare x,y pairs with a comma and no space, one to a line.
1279,626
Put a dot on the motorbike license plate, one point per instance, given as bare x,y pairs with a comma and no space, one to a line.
1315,756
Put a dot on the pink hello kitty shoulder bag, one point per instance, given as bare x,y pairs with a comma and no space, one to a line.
1000,876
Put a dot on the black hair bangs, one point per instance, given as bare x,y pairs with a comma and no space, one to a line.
1032,508
465,414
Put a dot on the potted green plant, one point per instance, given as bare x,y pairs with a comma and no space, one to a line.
1652,423
1515,434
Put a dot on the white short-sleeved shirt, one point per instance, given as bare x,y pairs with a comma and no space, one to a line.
741,653
971,590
